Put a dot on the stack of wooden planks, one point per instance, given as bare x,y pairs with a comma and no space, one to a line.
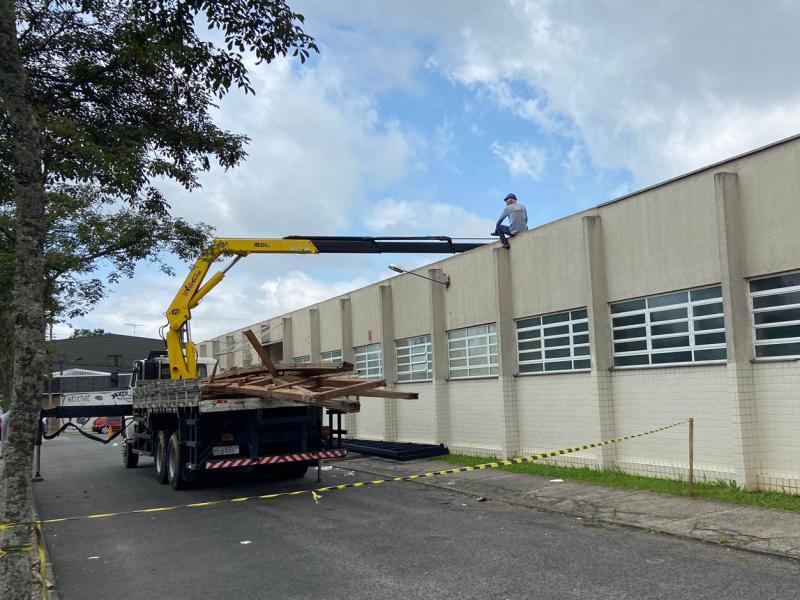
329,386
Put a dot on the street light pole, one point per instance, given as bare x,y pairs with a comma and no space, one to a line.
399,269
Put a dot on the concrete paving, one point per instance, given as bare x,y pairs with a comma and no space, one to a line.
749,528
398,540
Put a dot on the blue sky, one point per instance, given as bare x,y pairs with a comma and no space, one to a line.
418,117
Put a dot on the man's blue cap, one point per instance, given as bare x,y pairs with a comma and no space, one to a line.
510,197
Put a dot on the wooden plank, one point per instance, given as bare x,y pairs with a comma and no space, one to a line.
351,390
291,383
299,397
241,373
262,354
308,369
213,373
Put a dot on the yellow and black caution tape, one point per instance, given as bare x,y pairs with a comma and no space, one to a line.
316,493
42,559
20,548
39,547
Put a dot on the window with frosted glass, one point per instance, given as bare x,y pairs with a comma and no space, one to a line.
369,362
555,342
776,316
332,356
472,352
677,328
414,359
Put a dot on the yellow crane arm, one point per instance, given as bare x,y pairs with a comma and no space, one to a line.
180,349
183,362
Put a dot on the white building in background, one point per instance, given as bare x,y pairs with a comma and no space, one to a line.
682,299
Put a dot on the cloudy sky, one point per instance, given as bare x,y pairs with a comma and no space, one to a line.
417,117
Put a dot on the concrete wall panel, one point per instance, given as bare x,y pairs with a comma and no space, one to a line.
662,240
769,185
556,411
645,399
470,299
416,418
412,306
776,389
366,315
330,325
547,269
301,333
476,425
370,420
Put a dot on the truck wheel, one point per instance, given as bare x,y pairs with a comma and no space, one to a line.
129,458
291,471
161,457
175,464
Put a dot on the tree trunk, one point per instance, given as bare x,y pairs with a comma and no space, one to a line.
29,348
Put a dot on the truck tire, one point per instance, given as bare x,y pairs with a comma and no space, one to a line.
175,461
129,458
160,461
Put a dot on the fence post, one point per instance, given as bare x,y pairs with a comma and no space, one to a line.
691,456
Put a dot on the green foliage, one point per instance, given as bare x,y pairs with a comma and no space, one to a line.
78,333
123,91
721,491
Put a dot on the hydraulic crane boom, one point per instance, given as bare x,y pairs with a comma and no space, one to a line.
181,350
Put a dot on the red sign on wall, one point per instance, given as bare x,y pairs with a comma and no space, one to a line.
369,335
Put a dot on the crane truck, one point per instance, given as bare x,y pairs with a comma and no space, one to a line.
190,435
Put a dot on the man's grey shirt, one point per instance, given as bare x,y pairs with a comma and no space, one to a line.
517,218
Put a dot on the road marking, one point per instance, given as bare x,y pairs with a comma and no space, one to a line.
316,493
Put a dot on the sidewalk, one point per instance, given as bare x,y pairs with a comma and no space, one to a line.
757,529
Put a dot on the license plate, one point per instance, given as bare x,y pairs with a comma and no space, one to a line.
224,450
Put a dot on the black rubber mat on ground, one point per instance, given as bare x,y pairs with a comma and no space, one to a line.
395,450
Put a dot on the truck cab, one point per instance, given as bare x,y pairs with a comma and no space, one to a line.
156,366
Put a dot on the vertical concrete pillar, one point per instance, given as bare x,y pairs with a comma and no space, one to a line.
600,348
506,352
288,344
441,400
738,334
389,359
348,355
316,343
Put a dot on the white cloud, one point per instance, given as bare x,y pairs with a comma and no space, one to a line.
402,217
318,147
298,289
241,299
443,142
654,89
521,159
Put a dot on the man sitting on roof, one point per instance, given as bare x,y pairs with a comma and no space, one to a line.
517,220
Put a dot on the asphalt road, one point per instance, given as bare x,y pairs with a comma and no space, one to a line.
400,540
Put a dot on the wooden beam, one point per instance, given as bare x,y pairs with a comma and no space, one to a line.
299,397
262,354
291,383
350,390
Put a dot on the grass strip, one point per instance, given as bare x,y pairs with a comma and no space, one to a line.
721,491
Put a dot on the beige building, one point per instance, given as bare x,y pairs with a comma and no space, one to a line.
682,299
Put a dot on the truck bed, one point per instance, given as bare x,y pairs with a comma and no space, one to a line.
168,395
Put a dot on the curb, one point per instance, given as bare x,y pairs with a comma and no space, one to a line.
48,565
582,517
